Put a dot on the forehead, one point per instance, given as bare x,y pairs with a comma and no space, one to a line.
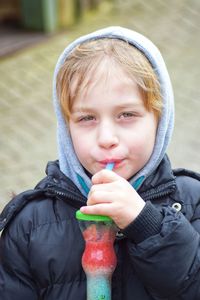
106,89
101,73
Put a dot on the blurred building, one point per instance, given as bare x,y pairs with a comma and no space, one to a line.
26,22
43,15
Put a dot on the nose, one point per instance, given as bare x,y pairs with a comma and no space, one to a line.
107,136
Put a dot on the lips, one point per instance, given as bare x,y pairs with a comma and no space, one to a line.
117,162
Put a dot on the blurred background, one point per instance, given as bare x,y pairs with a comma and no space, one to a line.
32,35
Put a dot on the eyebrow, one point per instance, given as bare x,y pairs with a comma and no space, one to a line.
82,109
120,106
128,104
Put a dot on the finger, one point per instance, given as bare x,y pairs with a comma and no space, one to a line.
101,187
99,197
104,176
104,209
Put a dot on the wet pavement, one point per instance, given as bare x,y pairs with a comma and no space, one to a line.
27,121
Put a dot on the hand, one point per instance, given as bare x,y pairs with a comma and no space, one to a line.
113,196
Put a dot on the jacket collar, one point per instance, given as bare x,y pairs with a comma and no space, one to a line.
57,185
161,182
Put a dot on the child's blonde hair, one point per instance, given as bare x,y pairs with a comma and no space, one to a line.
81,64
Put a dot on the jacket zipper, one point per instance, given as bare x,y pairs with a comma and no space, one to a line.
70,198
168,189
158,194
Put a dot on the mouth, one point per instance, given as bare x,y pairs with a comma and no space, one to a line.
117,162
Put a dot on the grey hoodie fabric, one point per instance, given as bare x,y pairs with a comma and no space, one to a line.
68,161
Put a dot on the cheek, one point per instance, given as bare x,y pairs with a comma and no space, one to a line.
82,146
136,148
75,140
141,144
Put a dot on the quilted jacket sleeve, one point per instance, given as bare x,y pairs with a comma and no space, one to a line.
15,280
168,260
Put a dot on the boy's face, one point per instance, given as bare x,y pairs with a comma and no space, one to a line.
109,123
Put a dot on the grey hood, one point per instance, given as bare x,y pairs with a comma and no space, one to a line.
68,161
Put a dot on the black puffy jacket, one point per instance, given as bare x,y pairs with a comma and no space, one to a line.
158,254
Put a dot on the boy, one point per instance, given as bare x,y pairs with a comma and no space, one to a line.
114,103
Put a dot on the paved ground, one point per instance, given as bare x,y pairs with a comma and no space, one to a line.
27,123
